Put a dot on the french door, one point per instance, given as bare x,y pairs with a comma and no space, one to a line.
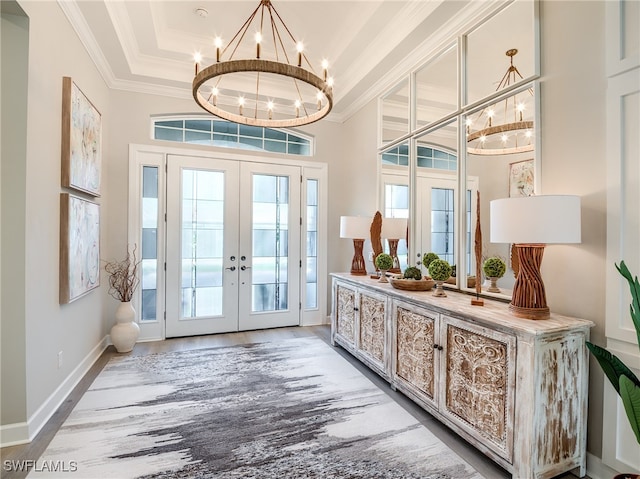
233,246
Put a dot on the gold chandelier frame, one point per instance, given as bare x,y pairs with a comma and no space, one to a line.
515,126
262,66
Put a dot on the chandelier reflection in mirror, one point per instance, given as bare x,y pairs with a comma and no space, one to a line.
505,127
216,88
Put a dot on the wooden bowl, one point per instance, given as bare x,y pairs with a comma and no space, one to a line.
412,284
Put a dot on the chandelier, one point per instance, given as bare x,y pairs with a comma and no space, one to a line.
215,88
503,128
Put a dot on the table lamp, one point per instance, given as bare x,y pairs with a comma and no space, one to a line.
356,228
393,230
530,223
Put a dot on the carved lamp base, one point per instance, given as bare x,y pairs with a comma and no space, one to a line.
393,252
529,299
357,263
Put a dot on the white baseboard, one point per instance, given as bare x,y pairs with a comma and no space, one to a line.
596,469
14,434
22,433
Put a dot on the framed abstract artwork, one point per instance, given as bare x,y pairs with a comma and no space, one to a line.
81,140
79,247
521,178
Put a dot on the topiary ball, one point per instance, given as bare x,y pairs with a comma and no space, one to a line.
412,273
440,270
384,262
428,258
494,267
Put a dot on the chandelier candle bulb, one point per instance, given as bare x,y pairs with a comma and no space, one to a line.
197,58
218,43
258,40
300,48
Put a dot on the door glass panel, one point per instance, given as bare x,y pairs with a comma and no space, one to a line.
311,296
149,260
202,243
270,242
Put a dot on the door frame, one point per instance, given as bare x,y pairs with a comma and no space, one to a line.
156,156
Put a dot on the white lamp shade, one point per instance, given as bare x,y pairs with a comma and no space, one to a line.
394,228
543,219
356,227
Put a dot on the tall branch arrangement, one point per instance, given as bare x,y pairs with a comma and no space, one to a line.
123,276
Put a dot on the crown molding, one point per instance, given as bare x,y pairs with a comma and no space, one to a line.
380,47
78,23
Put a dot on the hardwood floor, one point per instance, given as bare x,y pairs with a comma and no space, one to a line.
34,450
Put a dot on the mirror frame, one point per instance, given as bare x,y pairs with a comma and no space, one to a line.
460,40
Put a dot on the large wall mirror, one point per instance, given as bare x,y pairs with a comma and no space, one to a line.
473,133
395,112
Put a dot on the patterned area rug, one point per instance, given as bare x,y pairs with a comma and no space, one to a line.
292,409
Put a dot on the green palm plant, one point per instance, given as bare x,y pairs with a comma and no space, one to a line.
626,384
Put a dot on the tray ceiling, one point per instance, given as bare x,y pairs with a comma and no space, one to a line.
148,45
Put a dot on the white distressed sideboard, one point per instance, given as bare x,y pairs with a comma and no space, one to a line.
514,388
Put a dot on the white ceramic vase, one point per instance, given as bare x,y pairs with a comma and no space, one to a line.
125,332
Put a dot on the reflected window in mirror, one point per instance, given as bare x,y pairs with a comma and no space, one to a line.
395,190
436,192
396,156
443,223
437,88
487,61
396,205
395,112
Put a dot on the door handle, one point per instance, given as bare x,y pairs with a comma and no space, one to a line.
245,267
232,268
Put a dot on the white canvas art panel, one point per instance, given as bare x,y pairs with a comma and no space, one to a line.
79,247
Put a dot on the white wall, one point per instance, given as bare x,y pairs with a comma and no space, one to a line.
573,93
76,329
355,187
14,30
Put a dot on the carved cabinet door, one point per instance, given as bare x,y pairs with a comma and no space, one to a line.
372,311
345,312
478,367
414,351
